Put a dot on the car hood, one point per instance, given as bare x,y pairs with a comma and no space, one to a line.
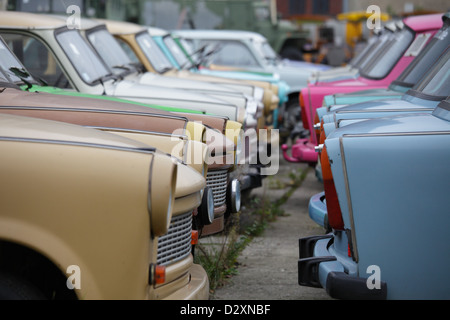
408,123
19,127
186,84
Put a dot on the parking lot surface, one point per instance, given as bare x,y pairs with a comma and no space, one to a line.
268,265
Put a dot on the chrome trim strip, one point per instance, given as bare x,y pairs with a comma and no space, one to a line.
79,144
349,201
392,134
386,110
183,137
98,111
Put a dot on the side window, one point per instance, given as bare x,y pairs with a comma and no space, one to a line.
233,53
37,59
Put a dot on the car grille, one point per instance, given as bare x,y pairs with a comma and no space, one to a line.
176,244
217,181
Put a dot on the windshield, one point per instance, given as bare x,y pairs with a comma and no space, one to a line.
11,68
426,58
436,82
153,52
111,52
176,51
76,48
266,51
386,59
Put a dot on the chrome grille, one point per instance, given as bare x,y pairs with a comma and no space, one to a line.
217,181
176,244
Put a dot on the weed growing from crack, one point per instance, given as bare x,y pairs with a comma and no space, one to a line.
218,254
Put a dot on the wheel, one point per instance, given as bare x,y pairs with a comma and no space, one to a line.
15,288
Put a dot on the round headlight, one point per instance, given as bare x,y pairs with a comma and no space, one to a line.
234,197
162,184
206,209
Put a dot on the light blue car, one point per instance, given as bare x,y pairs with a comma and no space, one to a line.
386,201
392,182
423,98
409,77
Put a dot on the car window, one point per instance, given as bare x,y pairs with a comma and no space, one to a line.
77,49
176,51
231,53
381,66
426,58
437,81
109,49
153,52
127,49
37,59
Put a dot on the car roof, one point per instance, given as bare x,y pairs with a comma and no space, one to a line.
121,27
424,22
28,20
220,34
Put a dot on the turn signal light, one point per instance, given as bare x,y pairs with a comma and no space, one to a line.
157,274
333,208
322,136
194,237
160,274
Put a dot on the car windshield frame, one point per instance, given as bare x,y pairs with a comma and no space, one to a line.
424,61
6,66
394,49
442,110
265,51
96,70
435,81
110,51
153,52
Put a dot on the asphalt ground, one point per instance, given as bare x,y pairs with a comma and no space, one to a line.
267,268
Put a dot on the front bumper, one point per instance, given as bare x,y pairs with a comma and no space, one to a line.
196,289
317,209
319,267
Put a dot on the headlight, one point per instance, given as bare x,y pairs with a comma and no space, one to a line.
234,196
238,156
161,197
206,209
234,132
197,156
196,131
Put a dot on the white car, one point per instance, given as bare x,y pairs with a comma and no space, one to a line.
250,51
53,52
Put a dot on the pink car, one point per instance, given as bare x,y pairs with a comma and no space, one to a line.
394,56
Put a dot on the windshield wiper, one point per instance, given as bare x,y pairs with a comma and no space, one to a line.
23,75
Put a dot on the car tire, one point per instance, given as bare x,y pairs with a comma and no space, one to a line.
15,288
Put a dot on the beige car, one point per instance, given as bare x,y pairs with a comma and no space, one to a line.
89,215
165,123
205,149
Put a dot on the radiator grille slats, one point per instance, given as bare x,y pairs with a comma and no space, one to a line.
176,244
217,181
